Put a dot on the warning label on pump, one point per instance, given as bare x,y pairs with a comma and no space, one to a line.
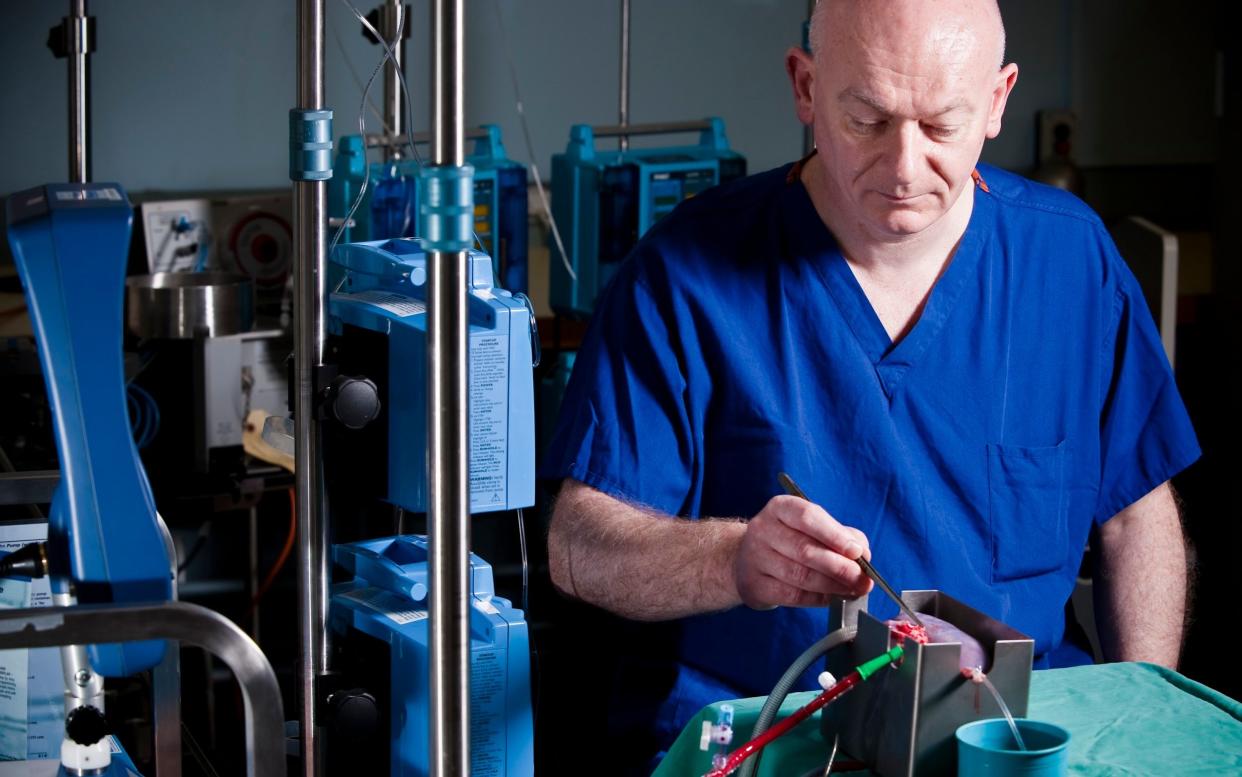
487,713
386,603
489,422
398,304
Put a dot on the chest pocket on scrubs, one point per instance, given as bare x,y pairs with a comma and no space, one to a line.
1027,510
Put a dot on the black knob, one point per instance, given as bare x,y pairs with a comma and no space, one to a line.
354,401
86,725
354,714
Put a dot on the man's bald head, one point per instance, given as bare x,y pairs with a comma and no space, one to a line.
980,19
900,96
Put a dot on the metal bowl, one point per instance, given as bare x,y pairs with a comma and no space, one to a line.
184,305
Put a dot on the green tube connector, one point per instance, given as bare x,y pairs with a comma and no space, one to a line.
879,662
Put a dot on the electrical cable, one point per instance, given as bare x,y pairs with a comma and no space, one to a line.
197,753
772,705
196,548
144,415
530,146
284,553
389,55
353,71
366,166
521,522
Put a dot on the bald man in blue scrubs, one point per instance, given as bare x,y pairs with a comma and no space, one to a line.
953,362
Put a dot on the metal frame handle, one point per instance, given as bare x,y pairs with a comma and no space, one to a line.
657,128
191,624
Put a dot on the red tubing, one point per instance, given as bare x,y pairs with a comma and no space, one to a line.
766,738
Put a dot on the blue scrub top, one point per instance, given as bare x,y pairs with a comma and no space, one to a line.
1031,399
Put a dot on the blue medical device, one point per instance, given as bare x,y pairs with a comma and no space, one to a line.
389,208
383,291
71,244
378,320
386,600
604,201
104,544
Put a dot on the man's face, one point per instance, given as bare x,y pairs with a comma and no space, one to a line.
899,112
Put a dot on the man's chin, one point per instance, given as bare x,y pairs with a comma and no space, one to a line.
902,223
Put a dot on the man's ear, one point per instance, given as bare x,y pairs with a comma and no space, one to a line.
801,69
1005,79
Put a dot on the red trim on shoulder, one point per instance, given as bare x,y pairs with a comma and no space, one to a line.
978,179
795,172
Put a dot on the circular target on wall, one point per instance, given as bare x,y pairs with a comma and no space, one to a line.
262,247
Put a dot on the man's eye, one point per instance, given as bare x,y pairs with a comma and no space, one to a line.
942,133
866,126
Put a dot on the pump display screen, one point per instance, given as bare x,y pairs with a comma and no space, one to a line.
668,189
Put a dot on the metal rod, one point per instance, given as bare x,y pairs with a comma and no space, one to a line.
310,249
378,140
391,18
253,577
658,128
624,113
27,488
448,444
166,683
78,29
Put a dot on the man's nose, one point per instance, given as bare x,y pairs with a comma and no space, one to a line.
906,153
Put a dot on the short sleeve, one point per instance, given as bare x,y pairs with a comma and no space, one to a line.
1145,432
623,426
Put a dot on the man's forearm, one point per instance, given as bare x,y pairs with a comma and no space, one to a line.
641,565
1141,586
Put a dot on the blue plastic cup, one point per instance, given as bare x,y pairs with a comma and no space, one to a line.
988,747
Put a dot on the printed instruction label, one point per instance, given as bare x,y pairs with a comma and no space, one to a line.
397,304
489,420
487,713
32,686
388,604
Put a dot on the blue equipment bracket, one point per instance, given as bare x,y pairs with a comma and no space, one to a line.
71,245
446,207
310,145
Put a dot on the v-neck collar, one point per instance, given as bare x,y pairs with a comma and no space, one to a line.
809,238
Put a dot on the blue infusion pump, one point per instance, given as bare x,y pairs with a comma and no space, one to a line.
382,300
378,315
389,209
381,614
606,200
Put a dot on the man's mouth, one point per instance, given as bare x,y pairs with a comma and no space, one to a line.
899,199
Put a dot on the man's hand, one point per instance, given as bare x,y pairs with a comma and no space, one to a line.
795,553
646,566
